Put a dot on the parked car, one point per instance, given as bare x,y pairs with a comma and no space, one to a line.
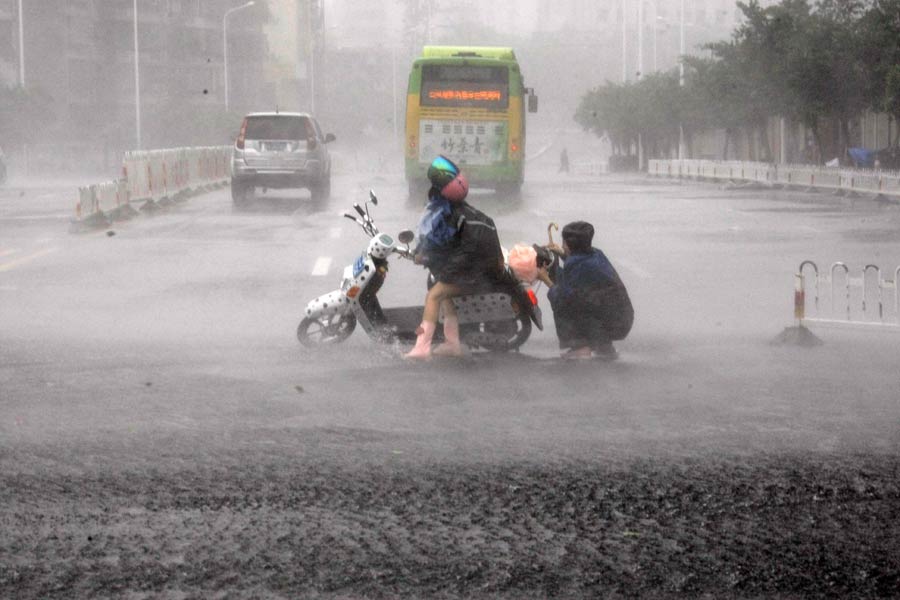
280,150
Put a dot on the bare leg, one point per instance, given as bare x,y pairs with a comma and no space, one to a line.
451,345
436,295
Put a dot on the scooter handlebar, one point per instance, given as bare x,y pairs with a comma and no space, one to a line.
404,253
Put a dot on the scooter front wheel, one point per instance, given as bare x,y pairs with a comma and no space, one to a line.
332,329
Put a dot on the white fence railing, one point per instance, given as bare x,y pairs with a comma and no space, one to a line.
841,180
153,177
867,300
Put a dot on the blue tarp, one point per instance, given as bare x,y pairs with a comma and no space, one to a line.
862,157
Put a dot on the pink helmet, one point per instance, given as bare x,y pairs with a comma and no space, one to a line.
457,189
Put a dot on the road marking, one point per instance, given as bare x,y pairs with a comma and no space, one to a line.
25,259
334,233
8,251
323,263
539,213
633,268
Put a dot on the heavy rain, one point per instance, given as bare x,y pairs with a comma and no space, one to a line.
219,375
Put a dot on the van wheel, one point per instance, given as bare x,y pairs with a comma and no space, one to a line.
321,190
241,193
512,191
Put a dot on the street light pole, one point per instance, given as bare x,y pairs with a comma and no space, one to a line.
624,44
394,88
656,19
21,49
137,80
681,78
640,73
640,39
225,43
311,58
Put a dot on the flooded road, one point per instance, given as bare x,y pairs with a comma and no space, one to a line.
160,418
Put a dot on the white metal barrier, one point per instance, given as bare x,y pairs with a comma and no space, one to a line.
848,309
836,179
590,167
152,177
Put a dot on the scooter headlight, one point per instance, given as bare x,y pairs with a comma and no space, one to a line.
381,246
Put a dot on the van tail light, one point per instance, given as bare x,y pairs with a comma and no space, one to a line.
242,135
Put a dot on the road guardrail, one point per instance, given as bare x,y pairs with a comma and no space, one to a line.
839,180
150,179
865,309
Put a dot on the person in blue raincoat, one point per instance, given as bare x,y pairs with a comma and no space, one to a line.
591,306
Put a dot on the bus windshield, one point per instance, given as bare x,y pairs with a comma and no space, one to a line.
465,86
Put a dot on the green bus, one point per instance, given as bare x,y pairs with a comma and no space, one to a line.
467,103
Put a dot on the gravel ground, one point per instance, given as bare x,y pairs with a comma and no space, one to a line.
182,517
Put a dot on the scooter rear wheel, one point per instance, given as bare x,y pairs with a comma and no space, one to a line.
327,330
504,336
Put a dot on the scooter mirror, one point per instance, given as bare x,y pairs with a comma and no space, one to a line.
373,198
406,236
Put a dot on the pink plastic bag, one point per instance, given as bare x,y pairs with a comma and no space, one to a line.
523,262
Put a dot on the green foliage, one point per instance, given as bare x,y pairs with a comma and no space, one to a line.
879,30
820,64
651,108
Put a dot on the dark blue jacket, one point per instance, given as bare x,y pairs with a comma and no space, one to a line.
458,243
588,286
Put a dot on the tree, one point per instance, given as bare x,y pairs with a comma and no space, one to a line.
879,30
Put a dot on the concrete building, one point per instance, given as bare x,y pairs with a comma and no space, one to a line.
81,55
9,43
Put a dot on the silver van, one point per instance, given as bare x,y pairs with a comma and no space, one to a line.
280,150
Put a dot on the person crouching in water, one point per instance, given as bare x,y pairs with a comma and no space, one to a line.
461,248
590,304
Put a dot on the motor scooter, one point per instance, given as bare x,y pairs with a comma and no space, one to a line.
499,319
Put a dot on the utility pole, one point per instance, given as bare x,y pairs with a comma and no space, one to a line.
137,80
681,77
21,49
624,43
225,43
311,60
640,39
640,73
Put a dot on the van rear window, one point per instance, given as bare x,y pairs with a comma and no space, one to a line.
277,127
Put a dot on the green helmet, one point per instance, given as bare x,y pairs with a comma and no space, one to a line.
442,171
